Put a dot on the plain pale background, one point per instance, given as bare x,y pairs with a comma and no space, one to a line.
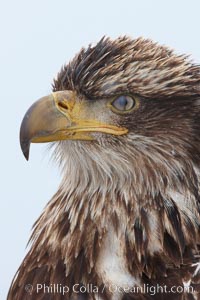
36,38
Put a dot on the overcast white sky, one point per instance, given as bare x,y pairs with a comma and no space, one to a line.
37,37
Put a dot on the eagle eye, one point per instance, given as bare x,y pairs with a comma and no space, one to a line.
123,103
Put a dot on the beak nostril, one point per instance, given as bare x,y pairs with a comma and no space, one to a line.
63,104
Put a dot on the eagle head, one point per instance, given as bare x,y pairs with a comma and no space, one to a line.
123,108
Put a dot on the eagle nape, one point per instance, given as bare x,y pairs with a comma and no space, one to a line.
125,222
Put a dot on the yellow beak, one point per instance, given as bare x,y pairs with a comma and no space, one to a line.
59,116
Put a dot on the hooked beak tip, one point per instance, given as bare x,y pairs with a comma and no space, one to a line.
25,146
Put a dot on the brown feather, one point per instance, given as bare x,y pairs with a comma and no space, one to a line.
131,199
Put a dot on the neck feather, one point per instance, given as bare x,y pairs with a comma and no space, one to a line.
150,198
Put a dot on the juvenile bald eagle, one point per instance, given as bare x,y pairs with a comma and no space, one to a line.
125,221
